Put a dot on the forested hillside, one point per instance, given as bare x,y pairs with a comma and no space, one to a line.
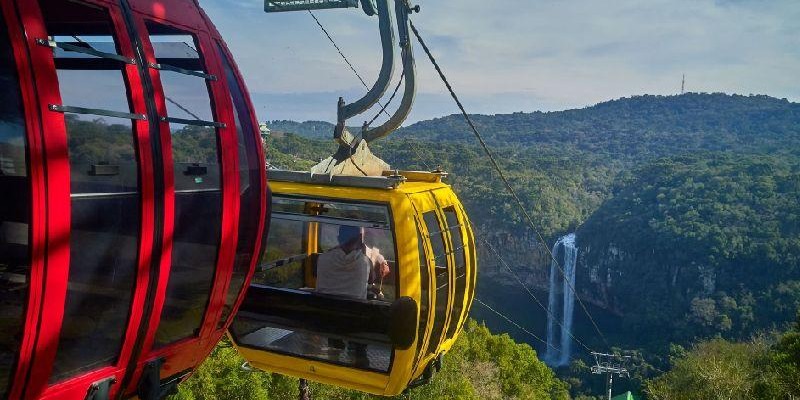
685,207
629,129
698,245
480,366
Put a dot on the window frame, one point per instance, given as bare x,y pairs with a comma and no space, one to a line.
433,347
253,155
222,112
423,333
52,211
34,178
80,196
194,22
307,222
456,317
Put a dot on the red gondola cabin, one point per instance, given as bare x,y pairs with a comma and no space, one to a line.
132,191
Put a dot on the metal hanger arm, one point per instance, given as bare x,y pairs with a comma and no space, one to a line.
409,70
385,22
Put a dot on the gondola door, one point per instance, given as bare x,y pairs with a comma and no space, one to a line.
200,172
97,199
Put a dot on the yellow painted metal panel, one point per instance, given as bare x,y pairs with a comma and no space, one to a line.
407,203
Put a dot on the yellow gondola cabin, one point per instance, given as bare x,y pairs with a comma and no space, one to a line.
390,340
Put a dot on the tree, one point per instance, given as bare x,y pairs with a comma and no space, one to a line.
480,366
785,358
719,370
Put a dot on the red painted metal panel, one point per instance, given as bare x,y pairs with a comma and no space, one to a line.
168,208
263,178
57,200
189,353
230,184
77,386
38,188
181,13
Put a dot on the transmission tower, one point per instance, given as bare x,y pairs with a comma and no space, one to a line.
610,364
683,83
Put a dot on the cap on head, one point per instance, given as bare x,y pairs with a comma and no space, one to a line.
348,233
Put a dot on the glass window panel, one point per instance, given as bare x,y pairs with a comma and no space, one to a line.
187,96
249,185
454,227
198,195
470,240
424,289
15,214
351,352
442,278
382,241
286,240
105,193
285,256
355,212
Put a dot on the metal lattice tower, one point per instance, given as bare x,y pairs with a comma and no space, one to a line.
683,84
610,364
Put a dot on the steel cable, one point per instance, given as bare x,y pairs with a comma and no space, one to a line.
502,175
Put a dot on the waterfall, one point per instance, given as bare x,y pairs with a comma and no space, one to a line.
559,342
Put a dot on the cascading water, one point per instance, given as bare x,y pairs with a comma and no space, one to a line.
559,343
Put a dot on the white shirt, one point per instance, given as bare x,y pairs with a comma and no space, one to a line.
343,274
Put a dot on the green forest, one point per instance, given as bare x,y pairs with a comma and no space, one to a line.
687,213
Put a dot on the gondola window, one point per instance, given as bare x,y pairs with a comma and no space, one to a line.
104,185
318,292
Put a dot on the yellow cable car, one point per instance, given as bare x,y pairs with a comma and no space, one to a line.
293,323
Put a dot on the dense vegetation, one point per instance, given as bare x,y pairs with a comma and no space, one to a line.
762,368
713,241
687,210
631,129
480,366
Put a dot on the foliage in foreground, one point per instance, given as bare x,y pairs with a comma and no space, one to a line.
480,366
719,369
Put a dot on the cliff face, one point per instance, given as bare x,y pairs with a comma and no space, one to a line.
522,254
696,246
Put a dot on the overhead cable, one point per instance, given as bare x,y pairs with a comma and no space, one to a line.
530,292
510,321
349,64
502,175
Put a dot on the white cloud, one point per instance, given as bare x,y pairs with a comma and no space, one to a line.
527,54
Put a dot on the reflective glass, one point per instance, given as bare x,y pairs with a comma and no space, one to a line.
198,195
281,264
105,192
454,227
441,278
424,275
249,185
304,261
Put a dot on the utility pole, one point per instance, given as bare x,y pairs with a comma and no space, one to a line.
610,364
683,83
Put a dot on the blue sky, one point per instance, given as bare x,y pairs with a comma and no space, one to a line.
521,55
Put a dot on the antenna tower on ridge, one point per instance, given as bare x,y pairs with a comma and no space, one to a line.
683,83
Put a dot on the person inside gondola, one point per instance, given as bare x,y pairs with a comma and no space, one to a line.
348,270
351,267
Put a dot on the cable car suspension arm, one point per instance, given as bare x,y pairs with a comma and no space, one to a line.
403,10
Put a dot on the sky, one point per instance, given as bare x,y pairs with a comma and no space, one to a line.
519,55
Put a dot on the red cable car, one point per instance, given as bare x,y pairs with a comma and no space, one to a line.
125,131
